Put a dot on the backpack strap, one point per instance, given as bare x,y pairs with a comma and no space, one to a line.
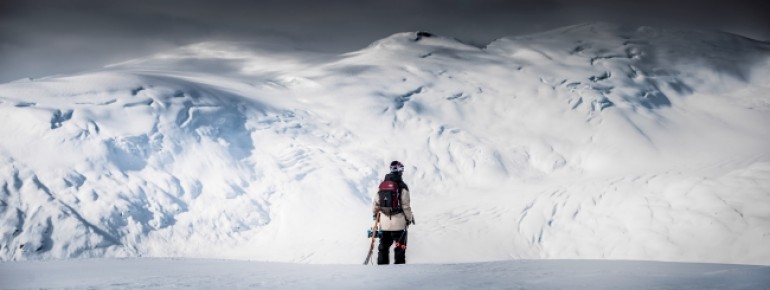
395,210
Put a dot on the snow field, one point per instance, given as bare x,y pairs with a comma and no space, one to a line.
588,142
206,274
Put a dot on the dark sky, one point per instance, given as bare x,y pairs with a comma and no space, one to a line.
39,37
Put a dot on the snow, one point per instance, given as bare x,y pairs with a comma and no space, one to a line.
593,141
542,274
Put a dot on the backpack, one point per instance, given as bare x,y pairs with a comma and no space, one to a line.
390,197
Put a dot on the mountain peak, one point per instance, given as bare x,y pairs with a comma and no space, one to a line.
418,40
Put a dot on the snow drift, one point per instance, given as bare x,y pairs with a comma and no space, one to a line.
594,141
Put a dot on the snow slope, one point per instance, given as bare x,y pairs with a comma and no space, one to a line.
594,141
207,274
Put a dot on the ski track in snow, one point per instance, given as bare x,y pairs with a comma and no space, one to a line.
588,142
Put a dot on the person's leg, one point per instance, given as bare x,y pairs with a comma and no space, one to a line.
383,253
400,250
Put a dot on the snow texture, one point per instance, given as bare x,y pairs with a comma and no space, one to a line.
594,141
221,274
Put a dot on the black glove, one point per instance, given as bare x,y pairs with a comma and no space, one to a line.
411,221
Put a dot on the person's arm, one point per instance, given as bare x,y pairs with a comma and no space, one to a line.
375,204
406,205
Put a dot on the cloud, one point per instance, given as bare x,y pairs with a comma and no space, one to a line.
43,37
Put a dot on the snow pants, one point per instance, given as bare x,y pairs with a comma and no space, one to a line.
388,238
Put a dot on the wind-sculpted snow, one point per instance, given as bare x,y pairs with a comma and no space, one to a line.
593,141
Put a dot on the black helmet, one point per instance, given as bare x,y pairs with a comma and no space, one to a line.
396,167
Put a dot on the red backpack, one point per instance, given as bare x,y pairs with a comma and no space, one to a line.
390,197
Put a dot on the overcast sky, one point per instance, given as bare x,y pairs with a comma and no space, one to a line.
40,38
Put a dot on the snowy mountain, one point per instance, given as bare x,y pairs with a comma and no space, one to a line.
594,141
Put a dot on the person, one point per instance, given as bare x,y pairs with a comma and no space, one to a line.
394,226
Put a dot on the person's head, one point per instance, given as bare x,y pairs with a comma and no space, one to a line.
396,167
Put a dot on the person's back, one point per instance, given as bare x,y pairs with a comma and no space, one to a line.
394,225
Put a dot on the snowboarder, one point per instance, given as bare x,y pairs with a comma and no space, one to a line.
395,216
